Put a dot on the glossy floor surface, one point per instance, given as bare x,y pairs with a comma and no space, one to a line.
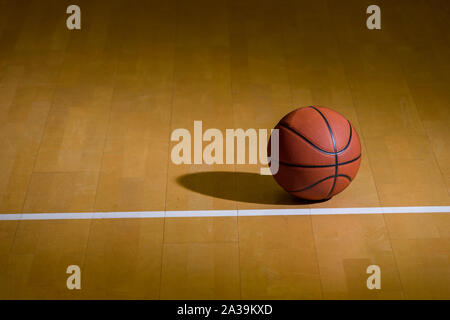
85,123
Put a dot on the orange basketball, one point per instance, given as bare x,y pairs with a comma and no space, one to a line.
319,153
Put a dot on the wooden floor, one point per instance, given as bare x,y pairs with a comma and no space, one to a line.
85,121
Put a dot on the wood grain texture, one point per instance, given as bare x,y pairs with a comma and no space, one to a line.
85,123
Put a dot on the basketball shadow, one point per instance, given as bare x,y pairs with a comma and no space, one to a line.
239,186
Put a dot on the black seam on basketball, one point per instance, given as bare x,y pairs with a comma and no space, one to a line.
313,185
335,151
345,176
349,138
322,180
318,166
304,138
284,125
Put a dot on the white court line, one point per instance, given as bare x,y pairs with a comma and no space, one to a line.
221,213
274,212
56,216
326,211
201,213
415,209
14,216
128,215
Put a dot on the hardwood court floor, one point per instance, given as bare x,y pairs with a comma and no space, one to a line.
85,121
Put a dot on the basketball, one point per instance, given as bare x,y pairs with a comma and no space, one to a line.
319,153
